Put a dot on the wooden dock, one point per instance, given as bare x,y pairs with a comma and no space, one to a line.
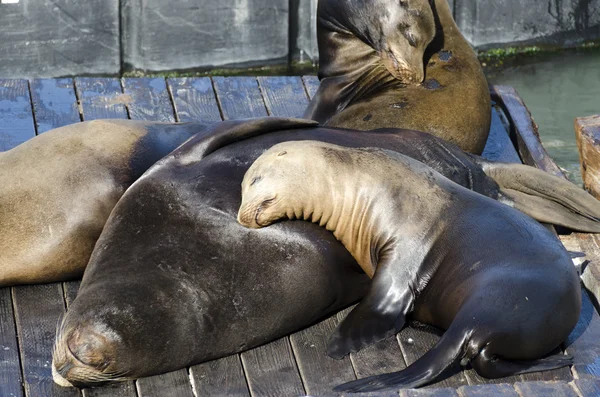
292,366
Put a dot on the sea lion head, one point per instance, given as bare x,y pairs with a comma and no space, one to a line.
273,186
399,30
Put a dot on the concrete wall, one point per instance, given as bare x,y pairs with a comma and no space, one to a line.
49,38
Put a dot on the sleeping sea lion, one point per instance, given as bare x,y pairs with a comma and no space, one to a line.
434,249
176,228
371,54
59,188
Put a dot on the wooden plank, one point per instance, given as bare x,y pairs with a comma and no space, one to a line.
38,310
223,377
284,95
148,99
239,97
587,133
54,103
588,387
545,389
320,373
500,390
173,384
311,84
584,341
101,98
194,99
380,358
418,338
10,364
16,118
441,392
272,371
121,389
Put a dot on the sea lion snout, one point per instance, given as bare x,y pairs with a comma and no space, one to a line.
249,214
83,356
402,69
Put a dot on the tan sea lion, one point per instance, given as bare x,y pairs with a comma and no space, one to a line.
371,54
434,249
59,188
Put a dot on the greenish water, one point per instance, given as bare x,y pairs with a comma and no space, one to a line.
556,90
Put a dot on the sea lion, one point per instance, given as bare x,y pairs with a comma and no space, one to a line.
59,188
371,53
434,249
238,288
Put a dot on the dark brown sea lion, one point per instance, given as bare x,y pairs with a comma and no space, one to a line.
434,249
362,89
225,288
59,188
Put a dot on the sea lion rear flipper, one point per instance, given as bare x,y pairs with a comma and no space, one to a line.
544,197
381,314
494,367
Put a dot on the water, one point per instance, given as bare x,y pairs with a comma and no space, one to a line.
556,91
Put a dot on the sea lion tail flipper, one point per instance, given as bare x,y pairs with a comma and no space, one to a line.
544,197
381,313
223,133
494,367
447,353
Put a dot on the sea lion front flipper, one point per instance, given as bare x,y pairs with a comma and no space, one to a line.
381,314
544,197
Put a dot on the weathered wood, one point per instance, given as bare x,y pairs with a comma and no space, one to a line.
54,103
282,95
175,384
16,119
320,373
121,389
418,338
240,97
10,364
194,99
38,310
311,84
441,392
379,358
584,341
101,98
587,133
498,390
148,99
545,389
223,377
272,371
587,387
590,245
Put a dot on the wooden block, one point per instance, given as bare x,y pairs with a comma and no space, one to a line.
584,341
499,390
499,146
16,118
101,98
587,387
441,392
239,97
311,83
194,99
149,99
121,389
284,95
173,384
272,371
10,363
38,311
587,133
545,389
159,35
220,378
51,38
54,103
320,373
415,340
590,246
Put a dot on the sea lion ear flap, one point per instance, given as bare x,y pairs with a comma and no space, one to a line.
223,133
544,197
